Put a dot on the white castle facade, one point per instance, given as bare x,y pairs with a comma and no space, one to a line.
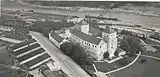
96,46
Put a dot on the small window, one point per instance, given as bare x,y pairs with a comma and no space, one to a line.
100,46
92,45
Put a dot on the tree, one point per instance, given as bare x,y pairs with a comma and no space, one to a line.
116,53
29,37
143,61
131,44
67,48
135,43
106,55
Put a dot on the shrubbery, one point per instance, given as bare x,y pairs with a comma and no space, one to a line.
45,27
131,44
77,53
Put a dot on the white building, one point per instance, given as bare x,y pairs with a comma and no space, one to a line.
95,45
75,20
93,40
56,39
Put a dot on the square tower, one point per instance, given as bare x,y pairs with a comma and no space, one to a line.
110,36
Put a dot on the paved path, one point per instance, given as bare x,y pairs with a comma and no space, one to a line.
138,55
67,64
151,57
155,40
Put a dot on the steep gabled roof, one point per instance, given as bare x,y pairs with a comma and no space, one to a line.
85,37
58,38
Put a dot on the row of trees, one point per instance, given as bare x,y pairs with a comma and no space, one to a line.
130,33
46,26
76,52
12,21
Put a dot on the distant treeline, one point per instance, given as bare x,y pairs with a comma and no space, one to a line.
105,4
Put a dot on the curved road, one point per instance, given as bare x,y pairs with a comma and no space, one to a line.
67,64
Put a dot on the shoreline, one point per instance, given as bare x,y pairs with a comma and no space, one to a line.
83,9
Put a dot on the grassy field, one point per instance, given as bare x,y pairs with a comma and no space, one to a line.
150,68
106,67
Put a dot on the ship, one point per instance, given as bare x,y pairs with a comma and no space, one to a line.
101,17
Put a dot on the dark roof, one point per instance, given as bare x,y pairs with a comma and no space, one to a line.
57,37
81,35
37,60
94,31
26,49
36,52
83,22
109,30
22,44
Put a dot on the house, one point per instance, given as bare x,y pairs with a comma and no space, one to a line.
56,39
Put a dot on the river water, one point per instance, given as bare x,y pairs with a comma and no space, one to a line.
146,21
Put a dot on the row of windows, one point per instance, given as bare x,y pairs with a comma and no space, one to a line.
83,42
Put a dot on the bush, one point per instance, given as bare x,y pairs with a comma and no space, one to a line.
131,44
143,61
45,27
106,55
76,53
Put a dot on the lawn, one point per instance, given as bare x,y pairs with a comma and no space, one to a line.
106,67
150,68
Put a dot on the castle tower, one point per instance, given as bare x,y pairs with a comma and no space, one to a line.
110,36
84,27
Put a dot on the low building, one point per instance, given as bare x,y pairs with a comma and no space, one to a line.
56,39
75,20
5,28
29,54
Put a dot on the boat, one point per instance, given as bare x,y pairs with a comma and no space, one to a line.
101,18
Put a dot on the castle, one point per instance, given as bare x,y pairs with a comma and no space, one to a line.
95,42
